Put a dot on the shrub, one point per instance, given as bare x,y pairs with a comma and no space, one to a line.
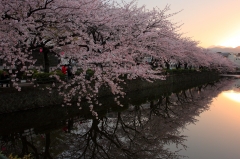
89,73
46,77
78,72
59,73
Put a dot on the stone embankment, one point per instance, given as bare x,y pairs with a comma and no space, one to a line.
34,97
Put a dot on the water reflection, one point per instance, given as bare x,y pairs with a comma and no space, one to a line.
140,129
233,95
216,134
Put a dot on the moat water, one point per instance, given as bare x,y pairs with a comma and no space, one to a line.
197,122
215,135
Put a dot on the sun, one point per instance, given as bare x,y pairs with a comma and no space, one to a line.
235,96
233,41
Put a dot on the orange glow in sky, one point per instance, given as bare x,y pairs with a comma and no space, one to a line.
211,22
233,41
235,96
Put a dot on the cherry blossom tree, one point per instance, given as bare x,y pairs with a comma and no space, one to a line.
109,38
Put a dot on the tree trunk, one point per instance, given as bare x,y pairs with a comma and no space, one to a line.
46,60
167,65
178,66
185,66
47,146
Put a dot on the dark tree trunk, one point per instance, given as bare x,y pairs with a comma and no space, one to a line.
70,125
185,66
47,146
178,65
46,60
167,65
24,146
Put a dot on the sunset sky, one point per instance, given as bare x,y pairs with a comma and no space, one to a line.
211,22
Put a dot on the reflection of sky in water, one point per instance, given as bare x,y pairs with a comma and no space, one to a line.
233,95
216,134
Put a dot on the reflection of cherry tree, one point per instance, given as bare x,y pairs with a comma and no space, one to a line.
115,138
38,145
142,131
